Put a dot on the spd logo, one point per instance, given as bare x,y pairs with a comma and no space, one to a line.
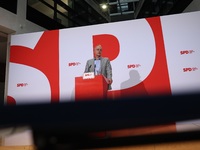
186,52
133,66
22,84
189,69
74,64
88,75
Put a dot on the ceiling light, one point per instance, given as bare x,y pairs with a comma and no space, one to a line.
104,6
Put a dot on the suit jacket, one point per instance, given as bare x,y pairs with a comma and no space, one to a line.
106,68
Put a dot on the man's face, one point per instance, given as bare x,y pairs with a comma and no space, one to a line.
98,51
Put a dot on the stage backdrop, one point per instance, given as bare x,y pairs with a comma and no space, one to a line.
153,56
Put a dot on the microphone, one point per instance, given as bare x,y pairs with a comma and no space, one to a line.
89,66
95,71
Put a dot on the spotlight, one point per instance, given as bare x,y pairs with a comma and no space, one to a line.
104,6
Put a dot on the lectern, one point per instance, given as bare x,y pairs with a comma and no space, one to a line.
90,89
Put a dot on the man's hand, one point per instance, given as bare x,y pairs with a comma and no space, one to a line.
109,81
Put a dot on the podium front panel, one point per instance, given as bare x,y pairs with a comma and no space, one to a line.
90,89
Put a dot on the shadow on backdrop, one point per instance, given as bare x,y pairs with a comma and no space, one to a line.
133,86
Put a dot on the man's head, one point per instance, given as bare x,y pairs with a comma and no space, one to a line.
97,51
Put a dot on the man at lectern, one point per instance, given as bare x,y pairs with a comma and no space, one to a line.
100,65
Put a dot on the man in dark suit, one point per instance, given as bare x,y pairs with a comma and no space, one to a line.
100,65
